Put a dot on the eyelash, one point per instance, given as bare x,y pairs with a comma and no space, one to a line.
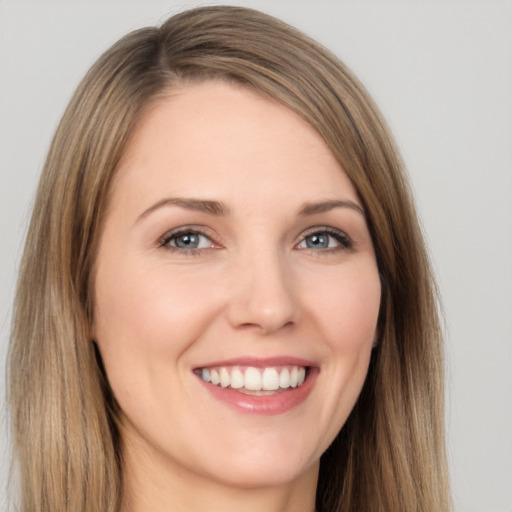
344,241
166,240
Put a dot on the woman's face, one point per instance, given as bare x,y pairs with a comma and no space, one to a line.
236,289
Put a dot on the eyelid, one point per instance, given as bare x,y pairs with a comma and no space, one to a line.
344,240
341,236
164,240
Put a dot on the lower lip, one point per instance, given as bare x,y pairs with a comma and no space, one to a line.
277,403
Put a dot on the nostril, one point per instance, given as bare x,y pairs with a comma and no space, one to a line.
261,297
265,326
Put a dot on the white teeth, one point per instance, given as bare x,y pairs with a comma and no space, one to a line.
301,376
237,379
284,378
214,376
270,380
293,377
224,378
255,379
252,379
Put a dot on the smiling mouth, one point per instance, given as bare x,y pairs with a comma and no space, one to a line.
251,380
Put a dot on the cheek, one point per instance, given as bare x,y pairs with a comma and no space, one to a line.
145,319
347,309
143,308
345,312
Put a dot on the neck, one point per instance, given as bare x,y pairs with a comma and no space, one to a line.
160,486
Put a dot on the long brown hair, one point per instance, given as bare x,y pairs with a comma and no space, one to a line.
390,455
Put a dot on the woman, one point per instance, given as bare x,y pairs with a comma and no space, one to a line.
225,297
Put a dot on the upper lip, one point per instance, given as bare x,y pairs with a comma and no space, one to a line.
259,362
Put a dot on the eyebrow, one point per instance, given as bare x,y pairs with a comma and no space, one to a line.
218,208
325,206
199,205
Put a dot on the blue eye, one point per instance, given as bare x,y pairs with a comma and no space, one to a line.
187,240
325,240
318,241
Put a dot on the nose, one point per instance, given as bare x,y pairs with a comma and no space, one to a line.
262,295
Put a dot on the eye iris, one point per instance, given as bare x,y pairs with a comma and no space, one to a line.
187,241
318,241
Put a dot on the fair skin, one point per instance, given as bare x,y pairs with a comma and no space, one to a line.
233,242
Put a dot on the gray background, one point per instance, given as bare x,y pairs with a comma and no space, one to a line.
441,72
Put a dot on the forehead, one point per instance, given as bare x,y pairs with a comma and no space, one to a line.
220,139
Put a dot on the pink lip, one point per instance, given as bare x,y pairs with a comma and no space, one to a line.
260,362
274,404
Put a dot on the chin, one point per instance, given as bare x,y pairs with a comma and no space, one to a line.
254,476
260,468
